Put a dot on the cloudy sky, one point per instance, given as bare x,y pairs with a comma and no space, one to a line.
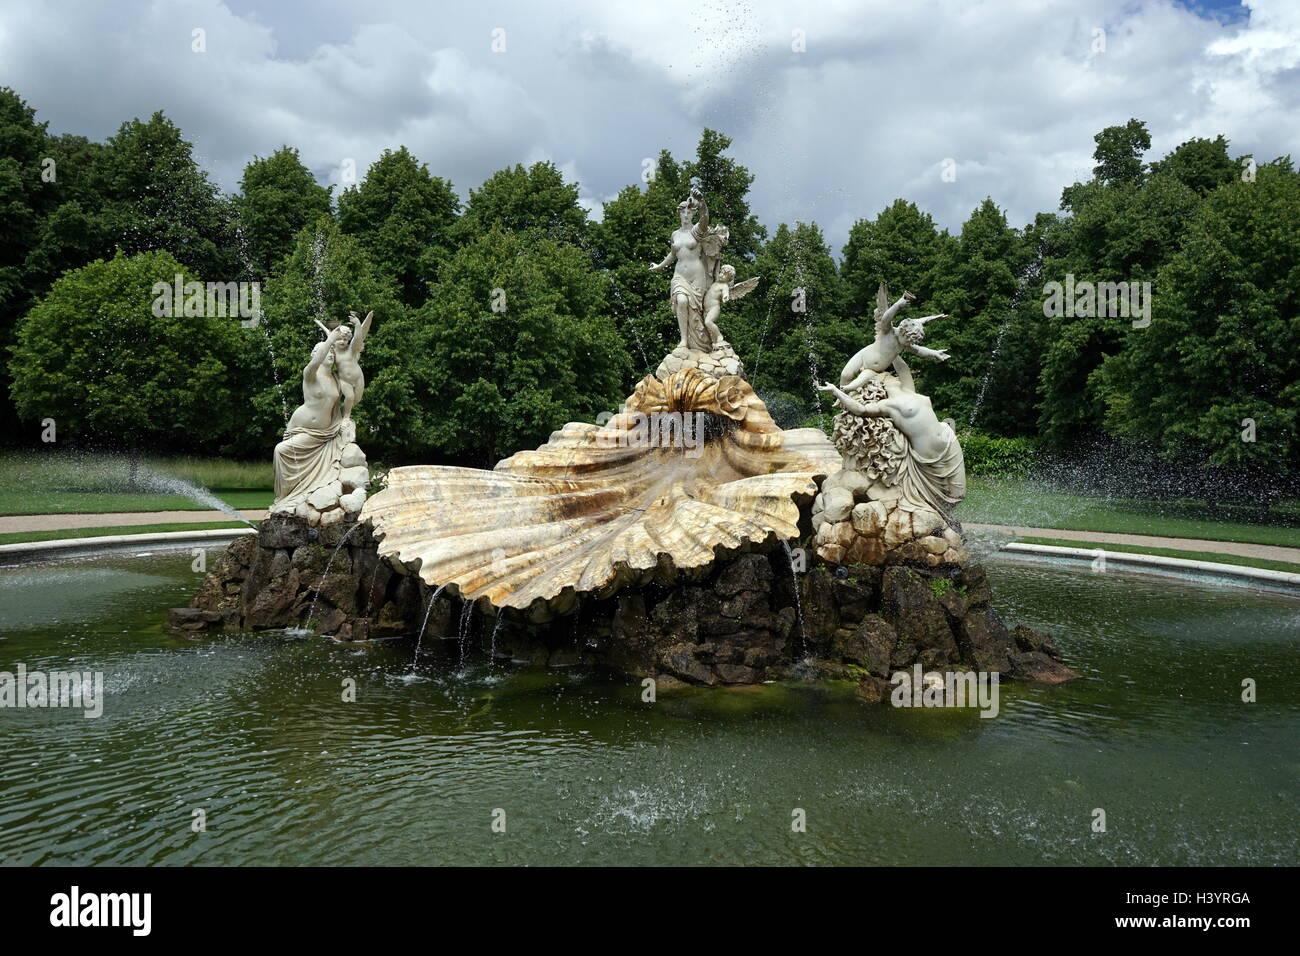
879,97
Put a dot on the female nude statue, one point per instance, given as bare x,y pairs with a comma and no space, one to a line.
697,249
314,437
933,471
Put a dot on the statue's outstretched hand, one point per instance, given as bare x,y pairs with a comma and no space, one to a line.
941,354
825,387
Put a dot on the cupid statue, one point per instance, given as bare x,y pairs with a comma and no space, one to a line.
697,251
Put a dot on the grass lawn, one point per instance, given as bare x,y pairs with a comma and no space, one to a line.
20,537
1170,553
1014,502
46,502
62,482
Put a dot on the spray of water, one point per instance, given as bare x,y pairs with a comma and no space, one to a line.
798,601
152,480
425,623
328,564
1028,276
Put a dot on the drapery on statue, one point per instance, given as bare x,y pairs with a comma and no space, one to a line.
318,467
931,470
697,251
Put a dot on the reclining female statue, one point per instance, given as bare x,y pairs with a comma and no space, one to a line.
932,472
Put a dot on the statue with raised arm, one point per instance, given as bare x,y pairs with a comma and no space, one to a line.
697,251
319,470
890,342
347,367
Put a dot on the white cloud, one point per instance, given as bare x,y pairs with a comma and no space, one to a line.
1013,92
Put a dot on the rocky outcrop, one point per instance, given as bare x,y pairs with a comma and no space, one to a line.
746,620
717,363
291,574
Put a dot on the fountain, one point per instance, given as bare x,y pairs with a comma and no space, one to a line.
663,536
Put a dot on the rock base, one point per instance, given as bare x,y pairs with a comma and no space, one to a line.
291,574
717,363
747,620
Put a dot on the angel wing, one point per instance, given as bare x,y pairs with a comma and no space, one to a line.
742,289
882,306
712,241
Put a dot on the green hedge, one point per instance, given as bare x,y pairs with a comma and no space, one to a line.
990,457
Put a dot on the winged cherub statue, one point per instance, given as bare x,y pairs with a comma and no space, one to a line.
890,342
724,289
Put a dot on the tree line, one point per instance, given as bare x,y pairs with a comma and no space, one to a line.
503,316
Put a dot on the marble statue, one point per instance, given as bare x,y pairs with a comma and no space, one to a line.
697,291
347,365
890,342
320,471
725,289
903,469
932,470
696,250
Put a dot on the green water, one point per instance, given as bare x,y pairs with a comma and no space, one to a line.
253,730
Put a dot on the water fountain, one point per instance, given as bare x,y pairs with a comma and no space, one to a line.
675,520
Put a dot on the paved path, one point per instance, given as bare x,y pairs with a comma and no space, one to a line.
13,523
1267,552
127,518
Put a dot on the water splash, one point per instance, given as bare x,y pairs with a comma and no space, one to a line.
425,623
1031,273
501,616
798,601
462,633
628,320
328,564
153,480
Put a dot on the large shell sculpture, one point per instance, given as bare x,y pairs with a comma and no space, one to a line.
693,466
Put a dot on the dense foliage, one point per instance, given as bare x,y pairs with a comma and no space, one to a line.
501,318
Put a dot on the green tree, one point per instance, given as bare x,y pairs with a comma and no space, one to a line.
278,197
93,356
792,328
403,216
536,199
1119,153
632,234
156,197
900,247
515,341
725,184
1223,346
982,286
1201,165
1118,231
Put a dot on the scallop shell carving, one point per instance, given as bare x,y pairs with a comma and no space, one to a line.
601,506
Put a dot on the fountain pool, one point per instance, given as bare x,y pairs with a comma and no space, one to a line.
253,730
